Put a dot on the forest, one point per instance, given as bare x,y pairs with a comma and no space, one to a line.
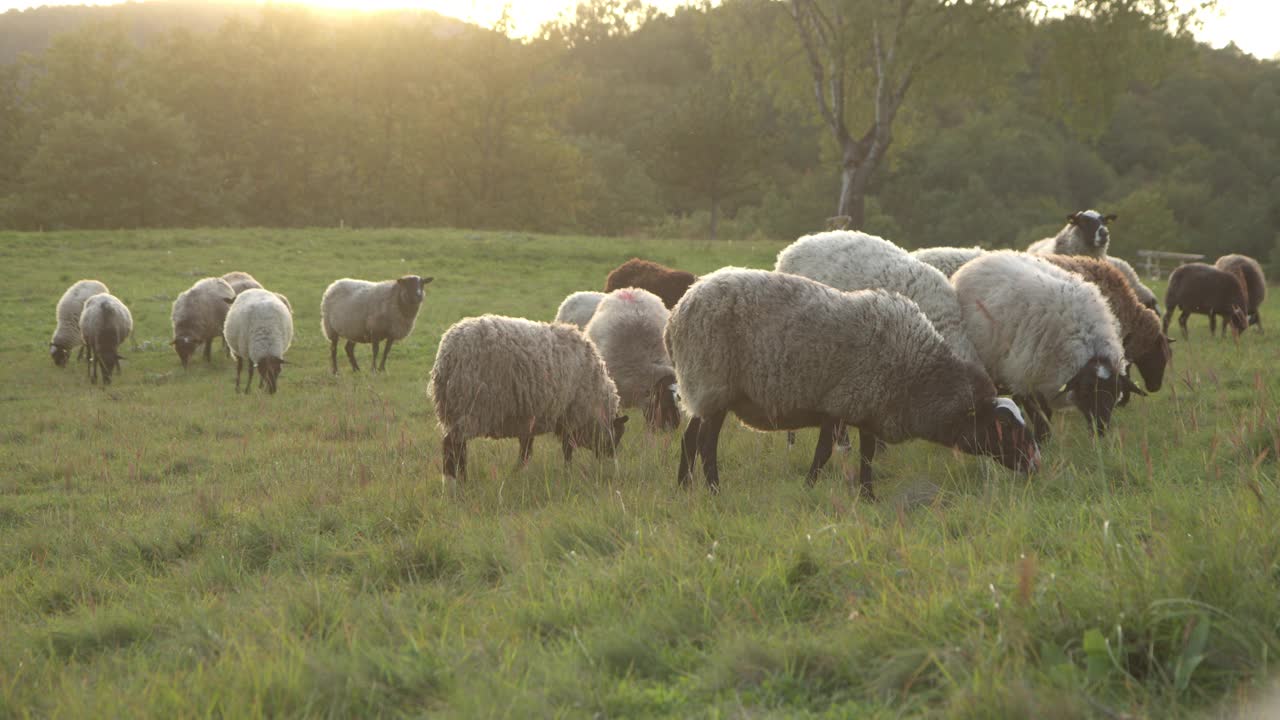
938,124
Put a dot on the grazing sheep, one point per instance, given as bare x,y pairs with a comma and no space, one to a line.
1202,288
1085,233
368,312
104,324
198,316
1044,333
502,377
667,283
259,328
627,331
241,281
1145,344
578,308
66,334
848,260
947,259
1255,282
784,352
1145,296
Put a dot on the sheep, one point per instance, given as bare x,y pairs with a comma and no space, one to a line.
667,283
368,312
578,308
259,328
1145,344
627,331
1085,233
241,281
784,352
947,259
66,333
198,315
1255,282
104,324
502,377
1145,296
1045,334
1202,288
848,260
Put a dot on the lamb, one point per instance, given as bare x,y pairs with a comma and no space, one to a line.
198,316
368,312
1044,334
578,308
667,283
627,331
848,260
1145,344
105,322
1255,282
784,352
502,377
1084,234
947,259
66,334
241,281
1202,288
259,328
1145,296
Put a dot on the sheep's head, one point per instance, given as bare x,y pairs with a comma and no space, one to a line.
410,290
1000,432
1096,389
1239,319
185,346
59,354
108,359
661,412
1151,364
1092,227
269,373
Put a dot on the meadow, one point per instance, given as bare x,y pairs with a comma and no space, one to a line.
171,549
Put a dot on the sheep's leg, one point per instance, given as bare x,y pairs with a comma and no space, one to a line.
526,448
1213,325
822,453
842,437
455,457
351,355
88,368
333,354
688,452
249,385
386,350
867,452
239,368
93,371
1182,323
566,446
80,354
374,366
708,443
1168,316
791,439
208,350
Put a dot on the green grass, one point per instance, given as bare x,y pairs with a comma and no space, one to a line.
168,548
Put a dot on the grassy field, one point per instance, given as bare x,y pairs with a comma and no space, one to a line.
170,549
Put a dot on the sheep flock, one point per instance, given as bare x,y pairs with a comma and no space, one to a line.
967,348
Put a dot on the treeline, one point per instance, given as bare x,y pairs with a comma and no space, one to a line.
623,120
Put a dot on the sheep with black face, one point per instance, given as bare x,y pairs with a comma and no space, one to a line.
1085,233
1204,289
198,316
66,334
369,312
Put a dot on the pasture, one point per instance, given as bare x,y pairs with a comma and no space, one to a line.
170,549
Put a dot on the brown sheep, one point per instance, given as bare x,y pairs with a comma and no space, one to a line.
667,283
1145,344
1255,283
1200,288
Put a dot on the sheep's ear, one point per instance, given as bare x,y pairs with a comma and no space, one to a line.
229,300
1128,385
1071,219
173,341
427,280
1109,218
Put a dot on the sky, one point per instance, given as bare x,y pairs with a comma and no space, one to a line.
1253,25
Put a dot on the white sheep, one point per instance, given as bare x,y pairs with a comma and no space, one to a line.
578,308
1085,233
627,331
783,352
259,328
1145,296
105,322
1044,333
946,259
66,333
503,377
241,281
369,312
198,316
